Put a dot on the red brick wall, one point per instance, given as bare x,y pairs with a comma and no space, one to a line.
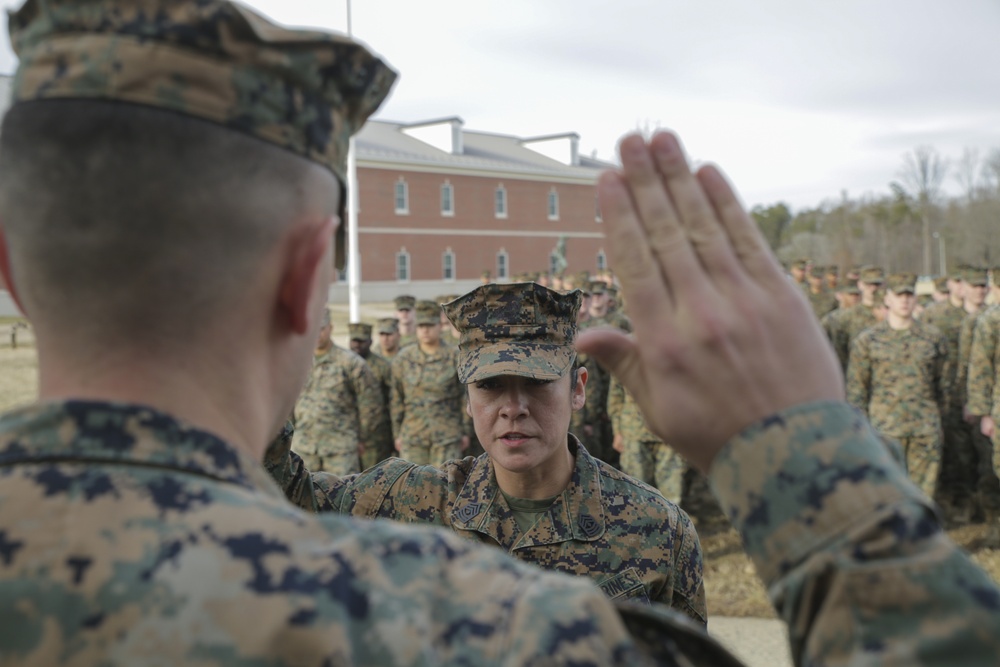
527,211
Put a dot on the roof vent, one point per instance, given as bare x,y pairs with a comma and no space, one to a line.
564,148
444,134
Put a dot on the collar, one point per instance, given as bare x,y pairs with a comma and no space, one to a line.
577,514
119,433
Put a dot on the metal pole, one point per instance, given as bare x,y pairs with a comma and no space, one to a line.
353,254
943,256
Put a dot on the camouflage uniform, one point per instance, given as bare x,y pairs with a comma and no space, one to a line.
428,405
984,400
381,445
821,300
896,378
954,492
644,456
847,327
605,525
340,407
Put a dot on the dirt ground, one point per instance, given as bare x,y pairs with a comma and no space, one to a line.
731,584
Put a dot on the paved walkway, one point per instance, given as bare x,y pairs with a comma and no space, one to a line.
759,642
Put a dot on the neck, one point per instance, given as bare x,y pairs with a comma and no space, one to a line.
898,322
868,300
972,308
543,481
430,348
405,329
212,392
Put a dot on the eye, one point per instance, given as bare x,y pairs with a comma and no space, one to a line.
488,384
534,382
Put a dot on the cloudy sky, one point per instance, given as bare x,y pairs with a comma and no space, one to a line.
797,101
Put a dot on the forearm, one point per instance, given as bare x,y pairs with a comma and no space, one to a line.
850,551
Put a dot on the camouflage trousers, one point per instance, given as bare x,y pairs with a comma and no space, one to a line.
957,478
434,454
923,459
377,452
338,464
655,464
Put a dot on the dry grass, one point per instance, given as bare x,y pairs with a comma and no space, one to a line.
731,584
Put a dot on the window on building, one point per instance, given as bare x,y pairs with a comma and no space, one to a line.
447,199
503,262
448,265
500,203
597,211
402,197
403,266
602,260
553,205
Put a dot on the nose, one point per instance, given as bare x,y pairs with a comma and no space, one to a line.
514,403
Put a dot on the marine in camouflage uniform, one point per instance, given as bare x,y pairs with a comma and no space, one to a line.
602,524
847,296
388,332
127,533
856,319
379,446
896,377
598,435
339,411
643,455
404,305
983,403
428,401
955,494
820,298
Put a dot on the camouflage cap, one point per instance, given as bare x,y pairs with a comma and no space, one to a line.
902,282
847,286
941,284
427,312
872,275
800,264
597,287
404,302
515,329
975,276
833,270
359,331
388,325
817,271
305,91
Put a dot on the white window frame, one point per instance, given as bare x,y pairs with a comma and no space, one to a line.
500,195
405,256
602,260
553,197
505,274
445,256
598,218
450,189
405,209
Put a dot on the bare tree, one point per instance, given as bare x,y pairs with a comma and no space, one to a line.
922,174
967,172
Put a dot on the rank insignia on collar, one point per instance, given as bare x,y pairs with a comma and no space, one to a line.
469,512
588,525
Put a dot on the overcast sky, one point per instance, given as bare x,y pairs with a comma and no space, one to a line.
797,101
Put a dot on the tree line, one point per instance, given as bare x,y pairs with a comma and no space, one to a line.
913,226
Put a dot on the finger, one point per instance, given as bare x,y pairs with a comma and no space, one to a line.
699,219
676,259
637,269
745,237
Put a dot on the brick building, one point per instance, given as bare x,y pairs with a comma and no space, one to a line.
438,205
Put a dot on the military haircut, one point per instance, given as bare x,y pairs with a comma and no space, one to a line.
144,218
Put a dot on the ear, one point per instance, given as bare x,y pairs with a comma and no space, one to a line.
580,390
6,275
468,405
307,273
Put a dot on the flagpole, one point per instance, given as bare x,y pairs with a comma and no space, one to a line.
353,254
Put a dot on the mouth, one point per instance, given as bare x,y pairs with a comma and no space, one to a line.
514,437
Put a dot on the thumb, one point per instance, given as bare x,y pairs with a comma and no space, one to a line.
616,351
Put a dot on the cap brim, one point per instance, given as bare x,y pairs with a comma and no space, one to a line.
538,361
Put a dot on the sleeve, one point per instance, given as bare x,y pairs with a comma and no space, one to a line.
853,556
398,396
294,480
982,373
688,595
859,374
940,373
616,403
369,398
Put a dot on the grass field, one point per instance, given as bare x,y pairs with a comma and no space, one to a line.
731,585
